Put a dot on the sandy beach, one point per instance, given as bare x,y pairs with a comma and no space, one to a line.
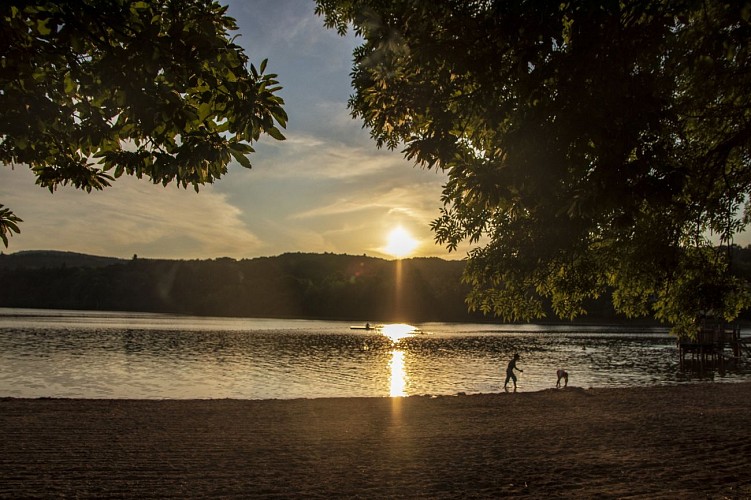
690,441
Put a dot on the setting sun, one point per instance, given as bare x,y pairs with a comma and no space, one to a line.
400,243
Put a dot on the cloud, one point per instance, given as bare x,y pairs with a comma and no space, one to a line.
131,217
416,201
318,156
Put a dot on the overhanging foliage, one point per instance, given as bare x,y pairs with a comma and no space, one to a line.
589,146
91,90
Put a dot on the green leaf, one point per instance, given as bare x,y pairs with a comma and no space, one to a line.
42,27
8,224
204,111
70,84
275,133
237,153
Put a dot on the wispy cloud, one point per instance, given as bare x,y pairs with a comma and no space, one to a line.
416,201
131,217
327,157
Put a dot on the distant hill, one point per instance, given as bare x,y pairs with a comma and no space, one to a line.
292,285
35,259
300,285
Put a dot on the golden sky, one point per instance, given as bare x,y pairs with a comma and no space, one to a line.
327,188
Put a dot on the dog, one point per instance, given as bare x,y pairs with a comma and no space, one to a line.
562,374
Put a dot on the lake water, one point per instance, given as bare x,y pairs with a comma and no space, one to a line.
75,354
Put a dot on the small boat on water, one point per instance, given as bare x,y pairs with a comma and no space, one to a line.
367,326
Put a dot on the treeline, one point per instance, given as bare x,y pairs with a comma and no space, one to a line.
294,285
299,285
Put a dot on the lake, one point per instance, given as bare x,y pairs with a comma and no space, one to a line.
82,354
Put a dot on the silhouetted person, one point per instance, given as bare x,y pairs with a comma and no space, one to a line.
510,375
562,374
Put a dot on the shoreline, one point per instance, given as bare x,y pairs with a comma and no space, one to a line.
687,441
501,392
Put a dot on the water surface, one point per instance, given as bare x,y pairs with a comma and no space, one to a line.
128,355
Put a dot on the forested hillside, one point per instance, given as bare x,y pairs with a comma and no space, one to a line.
291,285
52,259
295,285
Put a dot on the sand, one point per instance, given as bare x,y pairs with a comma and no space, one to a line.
689,441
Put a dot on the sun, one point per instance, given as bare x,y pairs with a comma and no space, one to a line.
400,243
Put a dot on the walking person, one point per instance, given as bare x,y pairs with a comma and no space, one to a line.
510,375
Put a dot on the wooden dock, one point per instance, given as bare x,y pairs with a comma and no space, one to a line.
710,345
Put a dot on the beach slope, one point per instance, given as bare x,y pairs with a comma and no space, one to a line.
688,441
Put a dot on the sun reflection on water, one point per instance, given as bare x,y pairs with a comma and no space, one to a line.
398,331
398,375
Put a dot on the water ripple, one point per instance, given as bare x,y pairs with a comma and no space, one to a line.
117,355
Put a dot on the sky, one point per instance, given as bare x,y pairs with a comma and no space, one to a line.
327,188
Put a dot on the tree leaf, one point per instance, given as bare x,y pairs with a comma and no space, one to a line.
83,80
275,133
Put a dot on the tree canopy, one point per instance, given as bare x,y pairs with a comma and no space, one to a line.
91,90
589,146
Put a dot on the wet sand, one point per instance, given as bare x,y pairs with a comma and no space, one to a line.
690,441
